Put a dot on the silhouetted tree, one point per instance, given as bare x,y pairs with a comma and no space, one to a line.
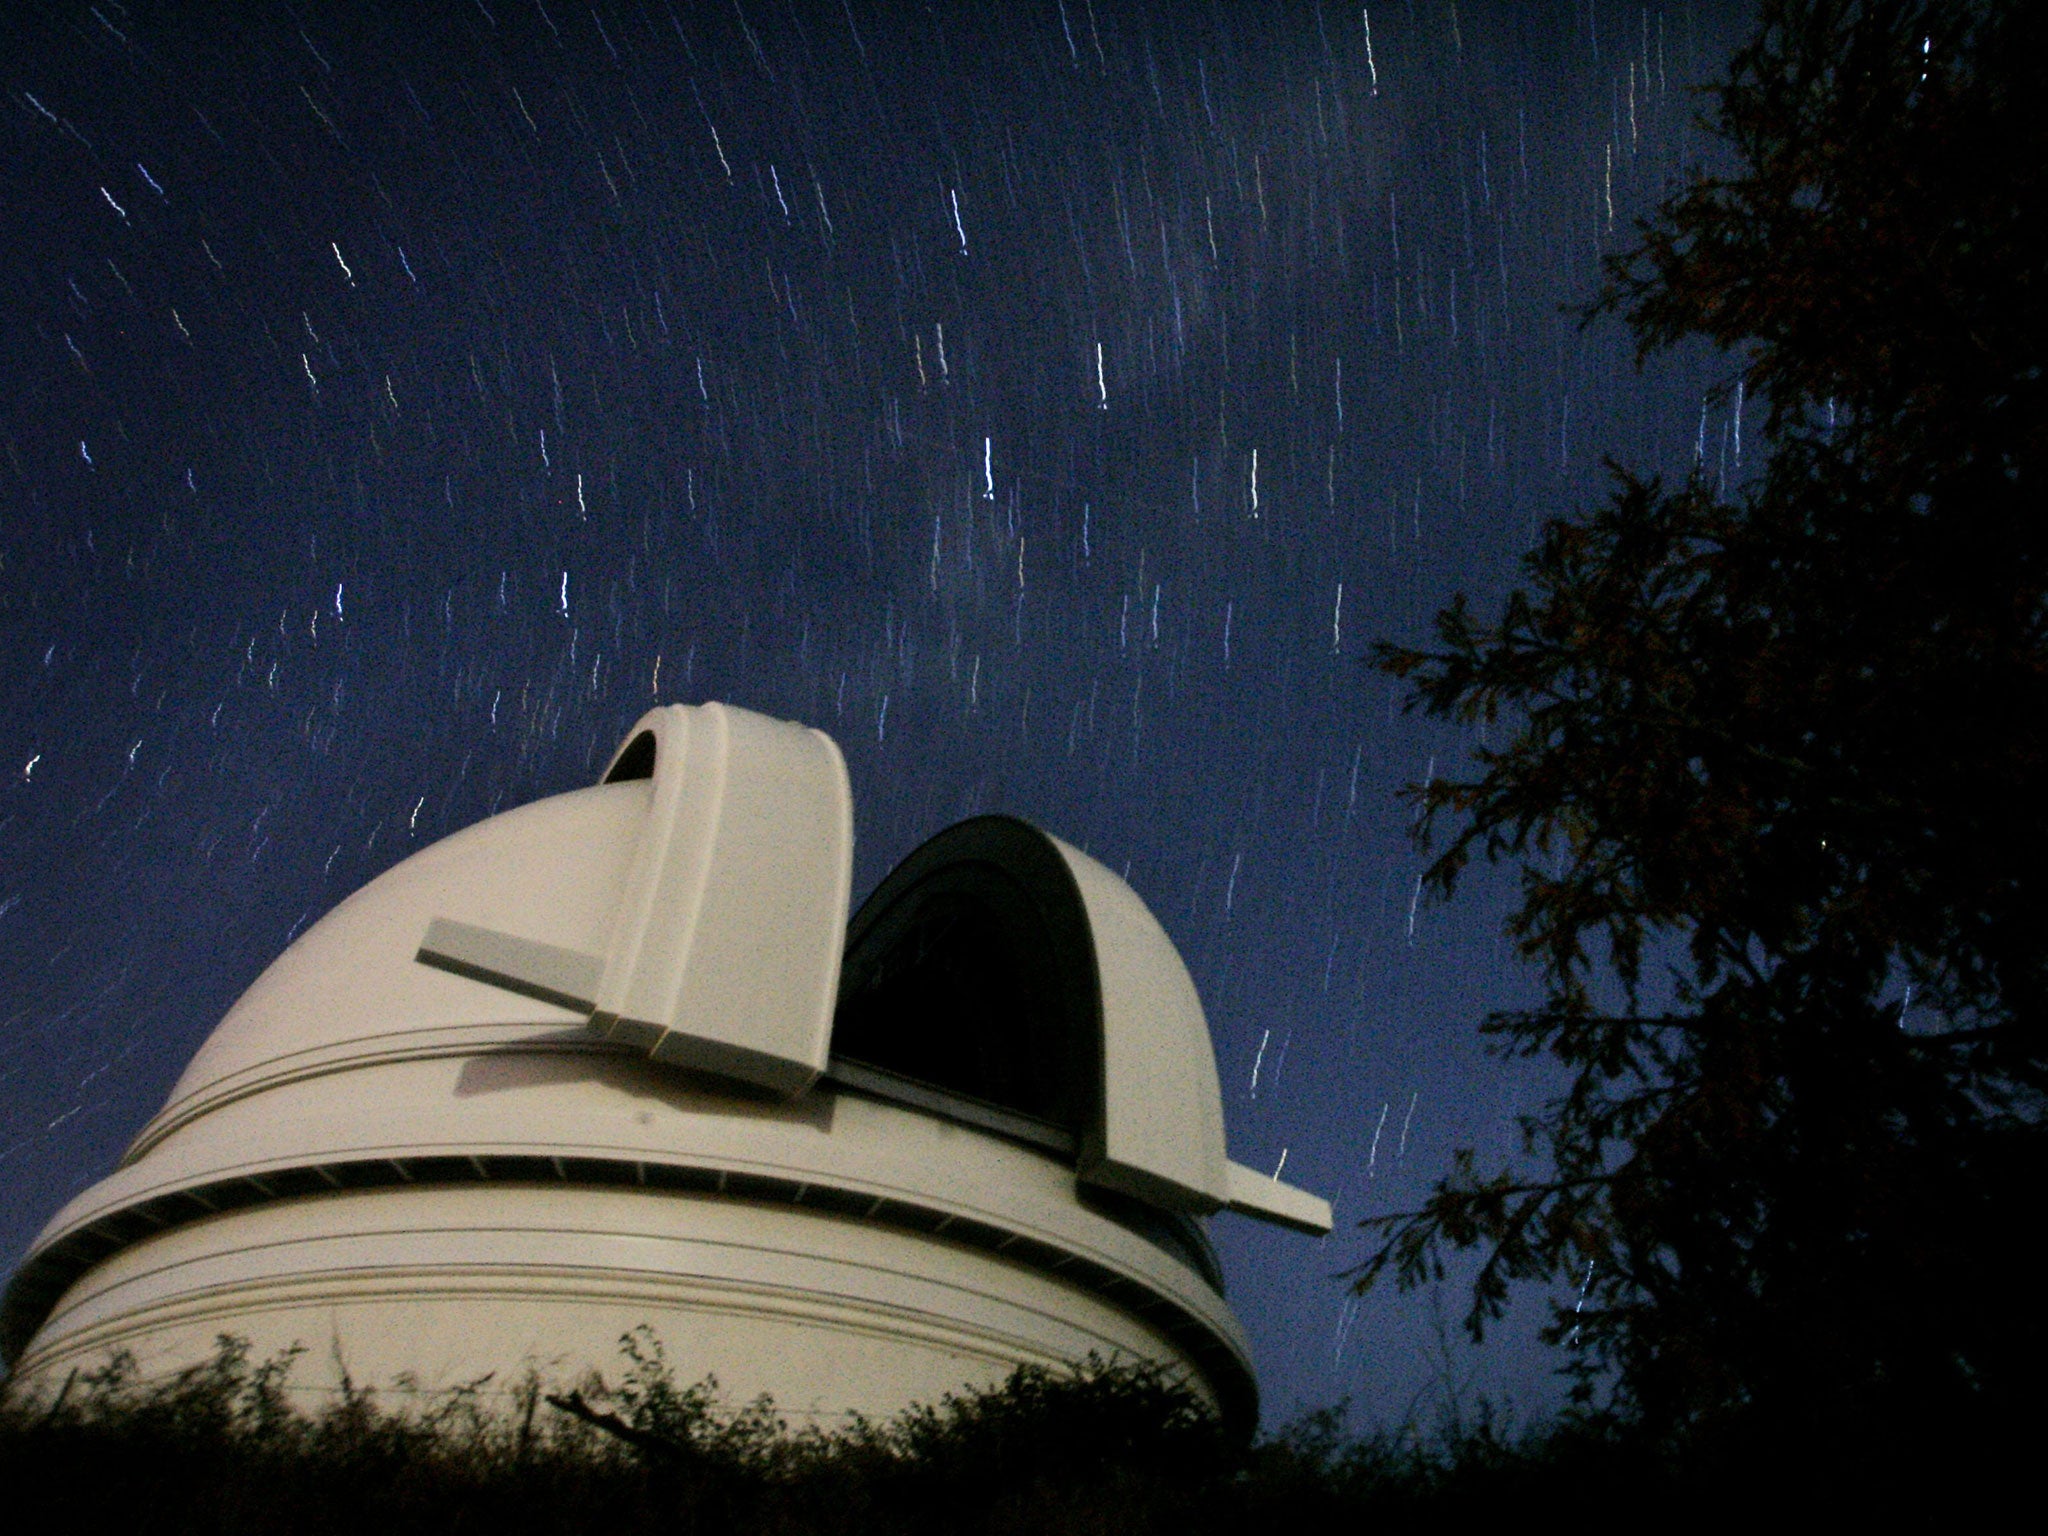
1775,781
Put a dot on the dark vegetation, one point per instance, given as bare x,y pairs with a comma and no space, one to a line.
222,1449
1771,759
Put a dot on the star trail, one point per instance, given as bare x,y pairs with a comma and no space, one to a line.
1051,401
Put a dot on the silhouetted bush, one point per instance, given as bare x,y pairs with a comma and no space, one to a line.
1099,1448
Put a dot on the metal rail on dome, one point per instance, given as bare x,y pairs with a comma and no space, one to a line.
962,1109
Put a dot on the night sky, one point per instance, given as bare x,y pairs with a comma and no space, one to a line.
1052,401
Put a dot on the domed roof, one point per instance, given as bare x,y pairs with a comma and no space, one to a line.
693,906
472,1017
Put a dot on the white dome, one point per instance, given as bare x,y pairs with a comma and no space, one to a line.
575,1069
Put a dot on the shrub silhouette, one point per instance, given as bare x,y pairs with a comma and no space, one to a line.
1098,1447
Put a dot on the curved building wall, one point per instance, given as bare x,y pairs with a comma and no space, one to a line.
458,1216
446,1286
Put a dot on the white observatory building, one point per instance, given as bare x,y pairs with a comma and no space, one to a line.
615,1058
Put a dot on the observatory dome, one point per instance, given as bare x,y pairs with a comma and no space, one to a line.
616,1059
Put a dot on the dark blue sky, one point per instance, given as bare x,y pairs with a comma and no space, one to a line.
1053,401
